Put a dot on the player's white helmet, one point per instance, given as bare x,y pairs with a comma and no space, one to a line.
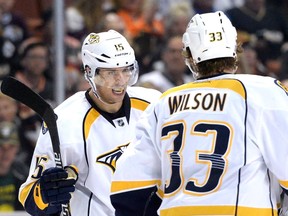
210,36
107,50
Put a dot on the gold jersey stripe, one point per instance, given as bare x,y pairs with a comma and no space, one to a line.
119,186
232,84
284,184
138,104
25,192
216,211
90,118
38,197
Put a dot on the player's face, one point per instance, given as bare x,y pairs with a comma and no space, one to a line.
173,58
8,109
7,155
112,83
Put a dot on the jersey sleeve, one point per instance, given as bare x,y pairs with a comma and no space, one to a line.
273,136
284,205
273,149
135,184
29,192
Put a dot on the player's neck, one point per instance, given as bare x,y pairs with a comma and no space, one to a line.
105,106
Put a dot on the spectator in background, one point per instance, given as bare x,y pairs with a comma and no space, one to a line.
140,16
84,16
224,5
144,27
7,57
166,5
203,6
264,27
249,62
8,109
13,30
176,20
34,60
75,23
171,69
9,113
112,20
12,172
82,84
72,49
34,57
12,25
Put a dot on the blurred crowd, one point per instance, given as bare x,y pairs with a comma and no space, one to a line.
153,27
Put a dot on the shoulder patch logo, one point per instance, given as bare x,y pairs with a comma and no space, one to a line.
44,128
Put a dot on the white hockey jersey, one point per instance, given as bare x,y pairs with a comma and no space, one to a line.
92,140
210,146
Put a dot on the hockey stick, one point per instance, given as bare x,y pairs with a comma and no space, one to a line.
22,93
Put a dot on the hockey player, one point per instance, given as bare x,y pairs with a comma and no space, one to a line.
95,127
211,145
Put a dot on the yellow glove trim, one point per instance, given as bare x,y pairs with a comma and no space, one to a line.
24,193
38,198
72,171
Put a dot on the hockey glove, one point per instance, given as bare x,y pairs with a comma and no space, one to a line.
56,186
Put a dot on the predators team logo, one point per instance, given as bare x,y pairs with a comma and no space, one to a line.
94,38
109,159
44,128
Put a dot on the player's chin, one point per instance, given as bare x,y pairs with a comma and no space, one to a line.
115,99
116,96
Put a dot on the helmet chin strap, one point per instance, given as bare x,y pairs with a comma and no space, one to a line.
192,68
97,95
